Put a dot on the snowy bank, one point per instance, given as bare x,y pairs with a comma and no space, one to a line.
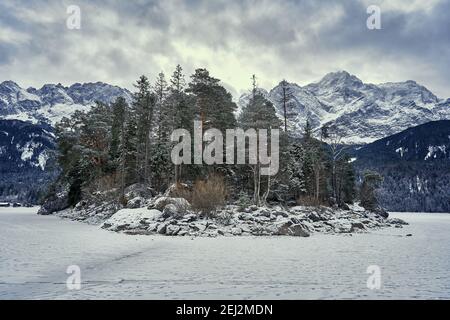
147,213
297,221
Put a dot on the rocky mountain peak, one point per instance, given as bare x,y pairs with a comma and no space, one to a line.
9,87
362,112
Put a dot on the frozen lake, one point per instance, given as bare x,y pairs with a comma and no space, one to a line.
35,252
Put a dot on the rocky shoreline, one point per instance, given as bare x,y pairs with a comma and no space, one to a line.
297,221
173,217
147,213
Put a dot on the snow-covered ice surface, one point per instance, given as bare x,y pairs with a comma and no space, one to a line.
35,252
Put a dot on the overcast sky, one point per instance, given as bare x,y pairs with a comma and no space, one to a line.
300,40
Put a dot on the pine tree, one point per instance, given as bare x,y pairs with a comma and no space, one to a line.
182,109
296,177
94,141
307,134
163,117
314,167
345,181
128,150
177,82
84,141
215,105
286,96
259,114
118,111
371,182
120,143
142,113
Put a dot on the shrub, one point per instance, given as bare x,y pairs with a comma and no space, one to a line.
180,190
244,201
209,195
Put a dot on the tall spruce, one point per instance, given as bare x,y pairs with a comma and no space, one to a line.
286,96
142,114
259,114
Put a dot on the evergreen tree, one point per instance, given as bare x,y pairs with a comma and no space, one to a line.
177,82
371,182
286,96
118,111
314,168
215,105
120,143
182,109
259,114
142,115
296,177
163,114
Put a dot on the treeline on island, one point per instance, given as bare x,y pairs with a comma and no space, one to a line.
118,145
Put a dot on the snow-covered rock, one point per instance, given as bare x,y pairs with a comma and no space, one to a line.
180,204
54,203
297,221
288,228
138,190
136,202
129,219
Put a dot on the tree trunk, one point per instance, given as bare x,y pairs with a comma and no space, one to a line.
266,194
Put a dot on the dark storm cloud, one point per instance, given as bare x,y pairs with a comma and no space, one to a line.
297,40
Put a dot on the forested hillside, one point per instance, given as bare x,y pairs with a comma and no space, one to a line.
415,165
27,160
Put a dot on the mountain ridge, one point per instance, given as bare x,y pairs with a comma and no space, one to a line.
51,102
360,112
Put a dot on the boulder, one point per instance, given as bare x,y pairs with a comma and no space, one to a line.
357,226
139,190
181,204
283,214
172,230
379,211
198,226
262,213
236,231
177,189
131,219
397,221
53,203
299,230
190,217
340,226
81,205
246,216
171,211
288,228
314,217
161,229
152,227
136,202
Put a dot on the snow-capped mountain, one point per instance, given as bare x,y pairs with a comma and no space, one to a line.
361,112
25,144
53,101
